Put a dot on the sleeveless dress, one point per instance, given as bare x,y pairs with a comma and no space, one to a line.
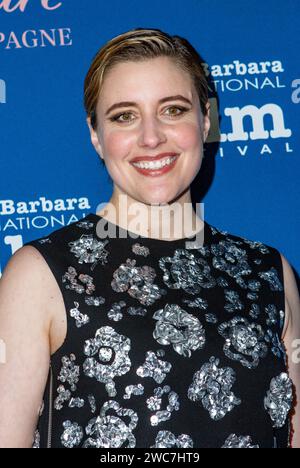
169,344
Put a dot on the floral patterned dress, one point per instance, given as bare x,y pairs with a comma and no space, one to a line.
169,344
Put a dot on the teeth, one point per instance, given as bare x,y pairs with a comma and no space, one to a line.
155,164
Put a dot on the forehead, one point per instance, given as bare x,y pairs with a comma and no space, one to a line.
153,78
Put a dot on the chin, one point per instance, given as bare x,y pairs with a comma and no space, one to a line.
158,197
159,201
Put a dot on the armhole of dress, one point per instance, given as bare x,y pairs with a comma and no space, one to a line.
58,278
282,327
282,311
41,248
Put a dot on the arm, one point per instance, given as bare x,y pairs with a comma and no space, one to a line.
291,338
24,329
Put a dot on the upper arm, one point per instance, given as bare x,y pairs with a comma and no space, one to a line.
24,334
291,340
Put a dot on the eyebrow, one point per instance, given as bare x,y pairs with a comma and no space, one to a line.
178,97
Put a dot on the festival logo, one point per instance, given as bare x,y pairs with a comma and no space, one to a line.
33,38
250,123
36,217
10,6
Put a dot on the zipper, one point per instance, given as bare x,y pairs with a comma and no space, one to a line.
49,435
290,439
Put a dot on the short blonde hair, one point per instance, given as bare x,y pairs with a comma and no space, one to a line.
137,45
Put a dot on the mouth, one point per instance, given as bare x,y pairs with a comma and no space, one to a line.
157,167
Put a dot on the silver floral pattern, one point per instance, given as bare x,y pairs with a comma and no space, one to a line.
115,313
254,311
72,434
212,386
138,282
36,440
166,439
272,313
92,402
233,301
80,319
244,341
133,390
178,328
63,395
88,249
137,311
279,398
154,403
277,346
199,302
85,225
94,300
239,442
173,317
71,282
139,249
70,371
186,271
154,367
76,402
108,357
45,240
111,430
262,248
271,276
211,318
230,259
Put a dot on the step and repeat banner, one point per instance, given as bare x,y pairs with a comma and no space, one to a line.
50,175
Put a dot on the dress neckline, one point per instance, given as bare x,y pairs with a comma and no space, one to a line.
199,239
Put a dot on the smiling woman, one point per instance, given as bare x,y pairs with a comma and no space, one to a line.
128,123
152,341
129,48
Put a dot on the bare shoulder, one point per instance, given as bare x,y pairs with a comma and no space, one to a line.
24,325
292,300
28,280
290,284
25,274
291,342
25,259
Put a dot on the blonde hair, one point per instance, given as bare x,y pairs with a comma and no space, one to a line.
137,45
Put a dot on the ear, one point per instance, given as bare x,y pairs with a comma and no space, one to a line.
206,122
94,138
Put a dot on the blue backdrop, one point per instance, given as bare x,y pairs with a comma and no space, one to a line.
51,175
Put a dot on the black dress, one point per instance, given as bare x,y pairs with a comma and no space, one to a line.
168,344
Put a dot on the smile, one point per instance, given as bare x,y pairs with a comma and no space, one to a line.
155,168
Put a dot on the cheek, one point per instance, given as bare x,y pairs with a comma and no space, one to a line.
188,140
117,144
187,136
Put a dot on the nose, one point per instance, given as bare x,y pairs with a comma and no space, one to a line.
151,132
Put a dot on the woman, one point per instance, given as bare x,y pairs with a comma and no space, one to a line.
153,341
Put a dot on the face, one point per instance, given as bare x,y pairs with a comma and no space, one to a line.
150,127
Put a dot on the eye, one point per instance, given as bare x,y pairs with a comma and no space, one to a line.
116,118
178,108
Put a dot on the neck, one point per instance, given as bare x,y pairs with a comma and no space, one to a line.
171,221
